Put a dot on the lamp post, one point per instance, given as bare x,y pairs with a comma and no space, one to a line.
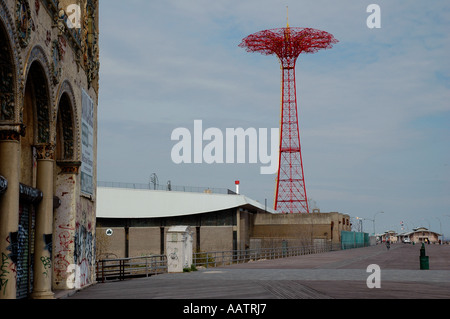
359,219
443,238
440,229
373,221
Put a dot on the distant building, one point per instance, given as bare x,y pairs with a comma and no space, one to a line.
389,235
134,222
272,230
48,134
420,235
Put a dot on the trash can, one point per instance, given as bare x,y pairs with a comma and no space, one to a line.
424,263
424,260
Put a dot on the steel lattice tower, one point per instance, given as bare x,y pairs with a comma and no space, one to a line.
288,43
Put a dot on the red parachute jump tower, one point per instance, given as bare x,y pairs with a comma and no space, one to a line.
288,43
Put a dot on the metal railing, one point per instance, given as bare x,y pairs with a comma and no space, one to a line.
222,258
174,188
122,268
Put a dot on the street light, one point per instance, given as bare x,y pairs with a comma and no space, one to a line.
440,229
360,224
373,221
443,238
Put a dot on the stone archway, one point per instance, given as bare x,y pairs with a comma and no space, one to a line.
36,121
67,129
10,68
66,184
64,130
37,162
7,100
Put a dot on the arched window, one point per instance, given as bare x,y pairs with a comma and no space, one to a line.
6,78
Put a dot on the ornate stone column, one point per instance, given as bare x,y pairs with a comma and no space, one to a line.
9,208
42,288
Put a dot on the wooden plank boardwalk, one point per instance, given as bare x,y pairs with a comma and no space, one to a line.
332,275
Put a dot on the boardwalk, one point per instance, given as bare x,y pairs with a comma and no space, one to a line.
332,275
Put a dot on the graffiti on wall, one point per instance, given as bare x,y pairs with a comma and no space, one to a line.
4,272
74,242
64,251
8,261
75,255
13,241
83,244
84,253
47,263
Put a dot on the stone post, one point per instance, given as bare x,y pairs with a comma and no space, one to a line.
179,248
42,288
9,210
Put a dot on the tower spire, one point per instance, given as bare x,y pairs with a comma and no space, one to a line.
287,19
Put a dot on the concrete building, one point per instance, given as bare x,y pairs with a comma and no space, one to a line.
270,230
134,222
48,137
390,235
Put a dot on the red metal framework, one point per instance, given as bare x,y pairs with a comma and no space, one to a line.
288,43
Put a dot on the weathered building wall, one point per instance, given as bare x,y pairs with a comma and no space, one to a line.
246,221
213,231
298,229
110,246
221,231
144,241
214,238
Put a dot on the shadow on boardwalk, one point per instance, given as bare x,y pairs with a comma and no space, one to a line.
332,275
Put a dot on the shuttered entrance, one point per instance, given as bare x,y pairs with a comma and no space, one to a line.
25,252
24,240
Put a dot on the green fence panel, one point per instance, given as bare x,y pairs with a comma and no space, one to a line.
366,240
351,240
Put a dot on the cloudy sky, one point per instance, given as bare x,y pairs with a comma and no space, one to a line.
374,111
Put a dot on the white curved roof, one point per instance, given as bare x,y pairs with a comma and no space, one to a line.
144,203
